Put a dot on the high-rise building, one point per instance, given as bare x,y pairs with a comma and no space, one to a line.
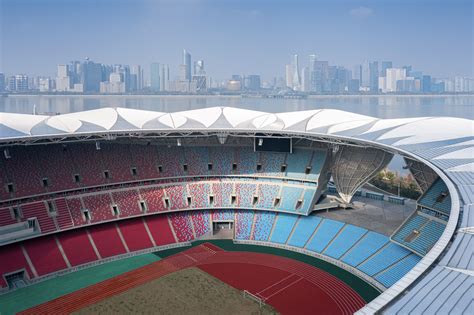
296,74
11,84
385,65
374,76
136,78
199,67
45,85
289,76
388,84
91,76
305,79
2,82
252,82
155,76
365,75
426,84
164,77
319,76
21,83
63,80
187,65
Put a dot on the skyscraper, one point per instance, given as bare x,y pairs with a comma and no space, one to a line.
385,65
199,67
374,76
187,65
164,77
319,76
289,76
365,74
296,74
136,78
2,82
63,80
91,76
155,76
21,82
305,79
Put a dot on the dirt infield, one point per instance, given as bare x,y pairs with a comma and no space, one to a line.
181,292
290,286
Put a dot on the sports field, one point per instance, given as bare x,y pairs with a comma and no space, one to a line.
285,280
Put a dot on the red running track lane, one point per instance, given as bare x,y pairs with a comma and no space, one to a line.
290,286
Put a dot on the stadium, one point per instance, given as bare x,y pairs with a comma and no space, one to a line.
273,205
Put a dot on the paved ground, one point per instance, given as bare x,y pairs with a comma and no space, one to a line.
379,216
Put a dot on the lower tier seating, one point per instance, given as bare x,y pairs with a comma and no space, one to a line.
371,253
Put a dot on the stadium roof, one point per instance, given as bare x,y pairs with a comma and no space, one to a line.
446,144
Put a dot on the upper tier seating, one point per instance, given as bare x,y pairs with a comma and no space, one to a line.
36,170
437,197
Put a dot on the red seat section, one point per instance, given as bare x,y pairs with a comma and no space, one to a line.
75,208
128,202
64,217
45,255
182,226
6,217
77,247
135,234
38,210
11,260
100,207
160,229
107,240
154,198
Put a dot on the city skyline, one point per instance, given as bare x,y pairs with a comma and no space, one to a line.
244,37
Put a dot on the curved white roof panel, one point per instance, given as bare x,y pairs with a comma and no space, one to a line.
446,144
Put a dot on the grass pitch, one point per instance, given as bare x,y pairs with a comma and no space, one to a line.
188,291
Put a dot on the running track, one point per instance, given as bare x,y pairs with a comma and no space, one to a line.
290,286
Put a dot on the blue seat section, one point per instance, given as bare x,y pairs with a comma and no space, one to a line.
366,247
243,224
319,157
247,161
307,199
325,233
271,163
297,162
289,196
428,236
387,256
283,226
344,241
303,231
266,195
414,223
245,192
433,197
221,159
397,271
263,225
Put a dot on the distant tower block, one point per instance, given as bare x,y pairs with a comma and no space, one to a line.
354,166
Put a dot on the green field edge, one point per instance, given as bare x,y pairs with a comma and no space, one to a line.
30,296
364,289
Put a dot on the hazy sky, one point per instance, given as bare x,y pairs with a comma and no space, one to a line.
237,36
